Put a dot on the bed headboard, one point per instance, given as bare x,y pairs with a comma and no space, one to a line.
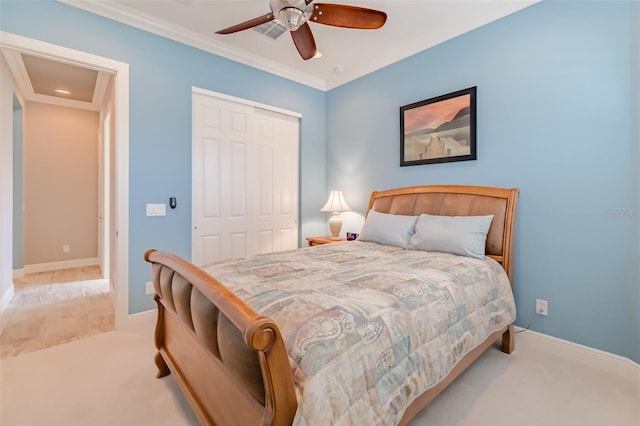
459,200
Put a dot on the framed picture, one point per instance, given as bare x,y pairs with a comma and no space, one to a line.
439,130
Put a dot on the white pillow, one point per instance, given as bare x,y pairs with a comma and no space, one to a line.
389,229
463,235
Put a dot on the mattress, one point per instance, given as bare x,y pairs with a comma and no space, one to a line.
369,327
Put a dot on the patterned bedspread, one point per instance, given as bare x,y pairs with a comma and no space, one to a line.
369,327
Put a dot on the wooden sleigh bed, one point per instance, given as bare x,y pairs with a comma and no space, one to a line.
232,363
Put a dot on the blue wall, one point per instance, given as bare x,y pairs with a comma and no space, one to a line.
554,108
162,73
635,154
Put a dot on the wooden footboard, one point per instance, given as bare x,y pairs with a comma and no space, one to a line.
230,362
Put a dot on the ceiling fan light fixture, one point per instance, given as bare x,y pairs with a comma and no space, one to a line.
291,17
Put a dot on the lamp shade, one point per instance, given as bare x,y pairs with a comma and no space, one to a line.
336,203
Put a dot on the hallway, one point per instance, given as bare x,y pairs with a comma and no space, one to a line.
55,307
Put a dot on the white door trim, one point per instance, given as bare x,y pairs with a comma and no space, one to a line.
104,189
244,101
120,70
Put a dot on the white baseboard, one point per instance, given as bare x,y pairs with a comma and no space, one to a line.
64,264
6,298
18,273
611,362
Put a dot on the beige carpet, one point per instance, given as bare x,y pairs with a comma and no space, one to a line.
109,379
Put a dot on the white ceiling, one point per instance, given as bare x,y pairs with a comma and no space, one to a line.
412,26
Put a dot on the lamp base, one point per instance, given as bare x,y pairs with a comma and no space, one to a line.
335,224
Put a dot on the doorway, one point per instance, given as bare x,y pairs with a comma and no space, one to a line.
55,307
118,190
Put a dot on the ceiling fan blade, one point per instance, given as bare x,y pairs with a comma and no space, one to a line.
304,41
339,15
248,24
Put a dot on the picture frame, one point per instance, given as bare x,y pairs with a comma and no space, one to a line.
439,130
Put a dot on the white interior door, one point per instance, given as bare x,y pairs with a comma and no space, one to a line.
245,180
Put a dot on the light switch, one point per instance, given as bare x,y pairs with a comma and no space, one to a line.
156,209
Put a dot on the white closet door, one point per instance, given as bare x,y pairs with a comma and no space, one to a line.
244,182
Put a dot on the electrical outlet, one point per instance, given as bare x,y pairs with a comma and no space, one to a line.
541,307
66,248
148,288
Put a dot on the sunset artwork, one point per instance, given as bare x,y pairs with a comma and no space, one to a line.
439,130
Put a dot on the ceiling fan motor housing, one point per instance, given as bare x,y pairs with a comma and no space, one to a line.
291,13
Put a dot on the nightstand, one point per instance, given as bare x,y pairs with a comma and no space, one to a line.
316,241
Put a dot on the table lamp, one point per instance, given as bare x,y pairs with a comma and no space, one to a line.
335,204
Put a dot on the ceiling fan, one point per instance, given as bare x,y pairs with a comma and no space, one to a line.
295,15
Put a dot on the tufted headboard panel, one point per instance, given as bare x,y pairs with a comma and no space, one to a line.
459,200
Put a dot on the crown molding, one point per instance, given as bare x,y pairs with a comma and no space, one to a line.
20,76
162,28
25,88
